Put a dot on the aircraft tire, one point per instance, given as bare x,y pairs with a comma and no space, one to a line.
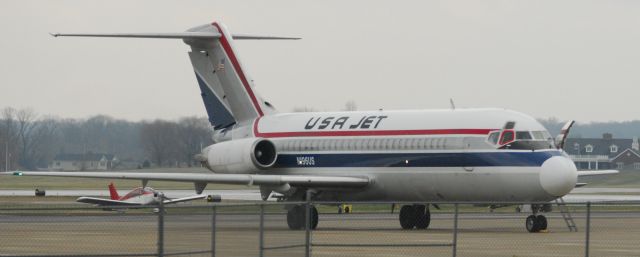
542,222
314,217
532,224
423,217
408,217
295,218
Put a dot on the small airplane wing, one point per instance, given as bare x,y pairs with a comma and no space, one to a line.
238,179
184,199
104,202
582,173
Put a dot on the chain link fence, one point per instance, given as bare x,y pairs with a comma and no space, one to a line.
362,229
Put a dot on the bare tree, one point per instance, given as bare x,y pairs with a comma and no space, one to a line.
193,134
159,141
25,118
8,137
40,148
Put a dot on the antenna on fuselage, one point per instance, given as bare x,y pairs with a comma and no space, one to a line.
453,105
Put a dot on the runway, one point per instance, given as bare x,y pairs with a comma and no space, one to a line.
613,233
577,195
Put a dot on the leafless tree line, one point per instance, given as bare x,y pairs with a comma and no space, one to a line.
30,141
170,143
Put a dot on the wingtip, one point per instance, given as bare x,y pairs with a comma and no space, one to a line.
54,34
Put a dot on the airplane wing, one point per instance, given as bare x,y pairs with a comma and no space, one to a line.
238,179
582,173
104,202
184,199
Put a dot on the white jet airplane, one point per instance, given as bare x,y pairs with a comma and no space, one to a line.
419,156
137,197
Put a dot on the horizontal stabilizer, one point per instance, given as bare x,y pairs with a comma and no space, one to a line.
179,35
258,37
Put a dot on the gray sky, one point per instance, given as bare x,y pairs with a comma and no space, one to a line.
569,59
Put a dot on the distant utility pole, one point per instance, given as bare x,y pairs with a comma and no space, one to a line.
6,156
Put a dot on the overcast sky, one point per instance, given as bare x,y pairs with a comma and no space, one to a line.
569,59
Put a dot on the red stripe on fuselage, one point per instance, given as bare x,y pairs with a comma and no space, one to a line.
236,66
342,133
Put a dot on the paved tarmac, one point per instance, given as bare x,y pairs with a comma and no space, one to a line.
577,195
613,233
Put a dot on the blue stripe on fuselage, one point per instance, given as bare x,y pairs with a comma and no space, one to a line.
460,159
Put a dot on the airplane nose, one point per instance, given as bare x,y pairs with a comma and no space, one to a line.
558,175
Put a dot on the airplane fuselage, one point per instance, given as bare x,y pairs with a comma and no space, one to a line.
430,155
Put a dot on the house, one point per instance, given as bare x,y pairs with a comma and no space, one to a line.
603,153
82,162
628,159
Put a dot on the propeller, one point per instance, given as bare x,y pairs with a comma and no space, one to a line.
561,139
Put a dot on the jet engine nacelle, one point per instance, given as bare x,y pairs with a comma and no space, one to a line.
248,155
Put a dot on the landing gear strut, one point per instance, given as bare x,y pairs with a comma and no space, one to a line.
296,217
416,215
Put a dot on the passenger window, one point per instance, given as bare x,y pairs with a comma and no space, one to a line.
507,137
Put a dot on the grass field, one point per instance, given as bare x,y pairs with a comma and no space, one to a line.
25,182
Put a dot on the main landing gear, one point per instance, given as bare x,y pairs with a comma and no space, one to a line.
416,215
296,217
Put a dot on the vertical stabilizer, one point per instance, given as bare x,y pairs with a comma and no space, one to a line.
113,192
227,90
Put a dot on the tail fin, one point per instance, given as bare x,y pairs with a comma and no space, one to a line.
226,89
113,192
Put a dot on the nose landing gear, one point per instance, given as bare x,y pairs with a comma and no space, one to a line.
416,215
536,223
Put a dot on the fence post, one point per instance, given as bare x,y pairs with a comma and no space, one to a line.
307,225
161,228
455,231
213,231
261,240
588,230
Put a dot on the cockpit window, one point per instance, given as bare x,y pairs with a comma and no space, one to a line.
529,140
507,136
541,135
493,137
523,135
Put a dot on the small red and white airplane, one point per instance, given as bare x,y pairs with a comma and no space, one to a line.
417,156
137,197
